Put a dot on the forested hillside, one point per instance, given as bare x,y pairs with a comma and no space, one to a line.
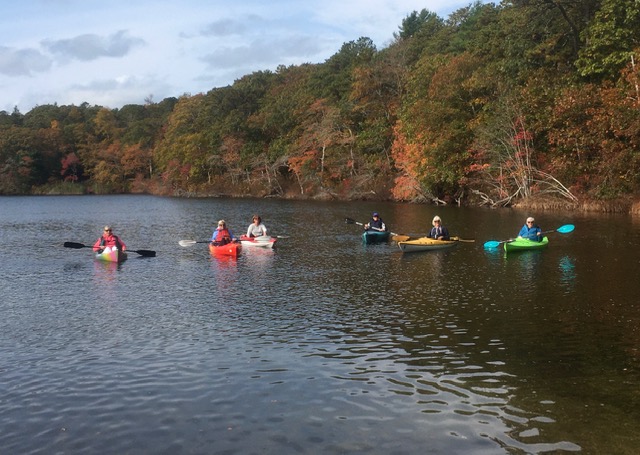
494,105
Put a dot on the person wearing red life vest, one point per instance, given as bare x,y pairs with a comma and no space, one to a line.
109,239
222,235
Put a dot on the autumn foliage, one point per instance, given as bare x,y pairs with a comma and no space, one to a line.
493,105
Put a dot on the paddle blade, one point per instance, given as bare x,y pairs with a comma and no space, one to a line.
349,221
400,238
145,253
458,239
187,242
74,245
566,228
491,244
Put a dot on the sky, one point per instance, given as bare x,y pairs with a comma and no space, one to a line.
116,52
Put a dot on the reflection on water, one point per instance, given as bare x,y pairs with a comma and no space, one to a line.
567,269
527,264
317,346
106,271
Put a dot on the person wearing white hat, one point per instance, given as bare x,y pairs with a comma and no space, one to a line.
438,231
530,230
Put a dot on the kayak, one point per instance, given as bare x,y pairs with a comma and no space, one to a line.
522,244
260,242
110,254
426,244
371,236
230,249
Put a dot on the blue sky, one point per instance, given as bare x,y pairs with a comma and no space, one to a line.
116,52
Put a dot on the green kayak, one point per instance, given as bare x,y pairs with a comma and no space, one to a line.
369,237
522,244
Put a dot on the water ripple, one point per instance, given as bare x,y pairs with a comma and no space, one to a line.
319,346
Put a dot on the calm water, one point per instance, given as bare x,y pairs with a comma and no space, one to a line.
320,346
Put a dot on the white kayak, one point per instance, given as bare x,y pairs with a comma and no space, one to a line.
259,242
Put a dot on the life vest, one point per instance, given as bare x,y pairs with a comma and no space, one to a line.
109,241
222,237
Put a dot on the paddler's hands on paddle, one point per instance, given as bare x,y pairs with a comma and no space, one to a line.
368,227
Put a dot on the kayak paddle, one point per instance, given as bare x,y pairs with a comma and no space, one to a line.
565,229
394,234
352,221
404,238
77,246
400,237
265,238
192,242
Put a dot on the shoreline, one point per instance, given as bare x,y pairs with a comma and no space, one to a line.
620,205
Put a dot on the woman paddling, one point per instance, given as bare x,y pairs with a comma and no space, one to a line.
438,231
222,235
375,224
109,240
531,231
256,228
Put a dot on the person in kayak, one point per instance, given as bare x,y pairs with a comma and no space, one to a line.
256,228
222,235
108,239
438,231
531,231
376,223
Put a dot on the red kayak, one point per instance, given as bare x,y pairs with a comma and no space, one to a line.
230,249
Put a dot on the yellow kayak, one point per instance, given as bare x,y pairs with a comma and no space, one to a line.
426,244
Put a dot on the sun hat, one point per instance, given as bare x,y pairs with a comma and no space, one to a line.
436,218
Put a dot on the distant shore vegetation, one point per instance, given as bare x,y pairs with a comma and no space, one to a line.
528,103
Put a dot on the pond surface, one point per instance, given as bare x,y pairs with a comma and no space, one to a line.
321,345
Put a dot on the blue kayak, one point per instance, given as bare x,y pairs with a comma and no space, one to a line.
369,237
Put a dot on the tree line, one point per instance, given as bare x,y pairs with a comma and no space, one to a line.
492,105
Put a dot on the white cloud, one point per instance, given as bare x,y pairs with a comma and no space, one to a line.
22,62
90,46
263,53
119,52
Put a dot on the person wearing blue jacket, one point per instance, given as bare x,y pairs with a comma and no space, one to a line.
438,231
222,235
531,231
